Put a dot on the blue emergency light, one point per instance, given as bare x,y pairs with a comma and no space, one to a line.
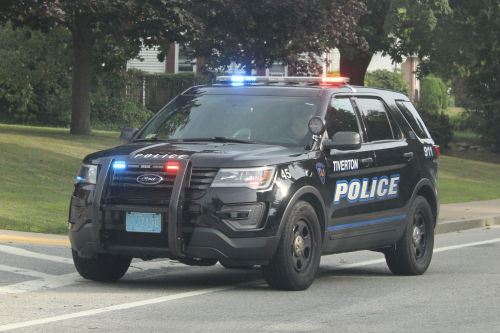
119,165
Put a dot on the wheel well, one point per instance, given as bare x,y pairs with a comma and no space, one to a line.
427,193
318,208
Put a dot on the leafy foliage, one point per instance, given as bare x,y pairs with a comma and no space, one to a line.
432,99
394,27
382,78
117,113
466,49
35,76
145,22
258,33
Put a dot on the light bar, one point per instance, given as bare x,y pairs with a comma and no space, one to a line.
338,80
240,80
119,165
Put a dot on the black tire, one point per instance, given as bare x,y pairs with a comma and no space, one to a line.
235,267
297,258
104,268
413,252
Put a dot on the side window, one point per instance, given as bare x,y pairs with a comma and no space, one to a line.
341,117
376,120
413,118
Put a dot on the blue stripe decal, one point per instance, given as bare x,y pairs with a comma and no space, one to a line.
357,224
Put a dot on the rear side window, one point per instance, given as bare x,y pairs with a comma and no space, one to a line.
413,118
376,120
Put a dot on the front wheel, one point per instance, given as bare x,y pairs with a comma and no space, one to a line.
413,252
104,268
297,258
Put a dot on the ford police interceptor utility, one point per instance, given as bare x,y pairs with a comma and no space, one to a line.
267,171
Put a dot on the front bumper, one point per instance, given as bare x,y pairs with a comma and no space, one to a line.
90,234
206,243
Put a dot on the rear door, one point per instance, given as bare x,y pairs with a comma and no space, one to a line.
396,172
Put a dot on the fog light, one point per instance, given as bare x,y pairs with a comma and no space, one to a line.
242,216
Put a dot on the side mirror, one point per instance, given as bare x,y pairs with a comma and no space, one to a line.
343,141
128,133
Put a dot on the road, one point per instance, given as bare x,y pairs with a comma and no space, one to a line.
40,291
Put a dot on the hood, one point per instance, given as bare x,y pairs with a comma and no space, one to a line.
203,154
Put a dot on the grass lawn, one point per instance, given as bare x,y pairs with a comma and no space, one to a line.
463,180
38,167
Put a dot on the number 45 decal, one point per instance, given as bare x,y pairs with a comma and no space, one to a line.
285,174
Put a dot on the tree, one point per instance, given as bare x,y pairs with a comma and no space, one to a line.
148,22
466,49
35,75
382,78
395,27
258,33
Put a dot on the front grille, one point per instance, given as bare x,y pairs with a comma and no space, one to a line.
125,189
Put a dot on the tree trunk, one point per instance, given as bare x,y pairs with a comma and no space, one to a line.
83,41
354,66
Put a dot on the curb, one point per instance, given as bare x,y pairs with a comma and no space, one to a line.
476,222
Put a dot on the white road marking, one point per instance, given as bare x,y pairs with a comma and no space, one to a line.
454,247
51,282
23,271
125,306
197,293
30,254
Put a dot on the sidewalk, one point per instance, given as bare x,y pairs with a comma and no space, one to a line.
468,215
452,217
467,210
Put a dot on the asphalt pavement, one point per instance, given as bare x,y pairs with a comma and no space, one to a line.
40,291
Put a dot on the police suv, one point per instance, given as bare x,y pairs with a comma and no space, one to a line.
267,171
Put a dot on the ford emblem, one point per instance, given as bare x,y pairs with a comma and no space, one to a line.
149,179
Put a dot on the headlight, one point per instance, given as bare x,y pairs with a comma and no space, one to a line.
254,178
87,174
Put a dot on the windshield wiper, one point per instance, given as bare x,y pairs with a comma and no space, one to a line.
219,139
157,139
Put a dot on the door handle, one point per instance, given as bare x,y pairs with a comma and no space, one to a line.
408,155
367,160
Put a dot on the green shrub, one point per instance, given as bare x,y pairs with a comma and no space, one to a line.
444,94
439,126
382,78
430,95
116,113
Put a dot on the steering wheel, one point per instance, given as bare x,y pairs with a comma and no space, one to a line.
243,134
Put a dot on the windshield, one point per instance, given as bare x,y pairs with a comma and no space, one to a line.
263,119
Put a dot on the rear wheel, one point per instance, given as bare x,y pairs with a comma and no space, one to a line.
413,252
297,258
105,267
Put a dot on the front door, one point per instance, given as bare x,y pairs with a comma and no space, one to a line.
348,181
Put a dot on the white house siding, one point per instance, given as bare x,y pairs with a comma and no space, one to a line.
150,63
378,62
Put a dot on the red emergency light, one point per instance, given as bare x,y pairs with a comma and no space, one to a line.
172,166
335,80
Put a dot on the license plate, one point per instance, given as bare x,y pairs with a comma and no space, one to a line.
143,222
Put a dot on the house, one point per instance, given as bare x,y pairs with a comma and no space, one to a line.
176,63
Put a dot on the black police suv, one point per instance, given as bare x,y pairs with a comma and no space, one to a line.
262,171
